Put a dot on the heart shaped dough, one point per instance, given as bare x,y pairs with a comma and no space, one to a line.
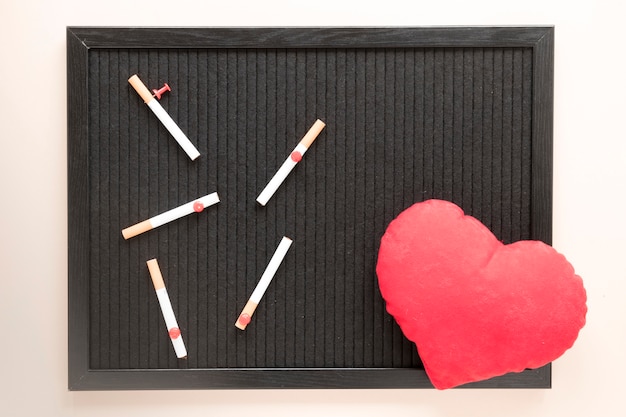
474,307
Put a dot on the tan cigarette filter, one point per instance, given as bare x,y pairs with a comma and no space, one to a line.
313,133
141,89
155,274
137,229
249,310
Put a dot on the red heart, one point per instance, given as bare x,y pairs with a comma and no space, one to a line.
474,307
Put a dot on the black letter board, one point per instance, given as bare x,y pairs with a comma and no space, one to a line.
460,113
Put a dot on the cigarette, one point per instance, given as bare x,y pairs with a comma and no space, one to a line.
290,163
246,314
176,213
164,117
166,309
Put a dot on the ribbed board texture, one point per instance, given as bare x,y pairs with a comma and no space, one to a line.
403,125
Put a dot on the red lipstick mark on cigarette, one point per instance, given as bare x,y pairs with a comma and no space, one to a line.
198,206
296,156
174,333
244,319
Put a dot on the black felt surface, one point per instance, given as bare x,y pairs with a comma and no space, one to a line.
403,125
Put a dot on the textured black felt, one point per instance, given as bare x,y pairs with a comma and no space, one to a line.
403,125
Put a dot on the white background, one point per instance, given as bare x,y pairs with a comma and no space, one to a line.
589,213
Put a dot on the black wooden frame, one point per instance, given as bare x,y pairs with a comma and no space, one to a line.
80,40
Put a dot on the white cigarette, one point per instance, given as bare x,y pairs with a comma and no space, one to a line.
166,308
246,314
176,213
164,117
290,163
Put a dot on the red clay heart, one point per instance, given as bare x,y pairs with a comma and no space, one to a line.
474,307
